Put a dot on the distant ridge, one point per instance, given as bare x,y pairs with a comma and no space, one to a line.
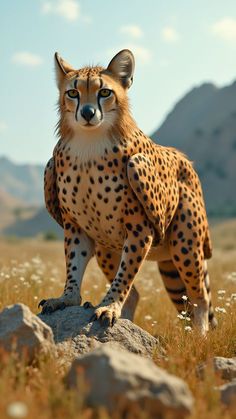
39,224
203,125
22,181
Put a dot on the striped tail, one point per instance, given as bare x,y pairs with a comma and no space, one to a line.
176,289
174,286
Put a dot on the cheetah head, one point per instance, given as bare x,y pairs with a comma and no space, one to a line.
93,98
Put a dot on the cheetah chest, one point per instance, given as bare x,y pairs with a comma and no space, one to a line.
95,196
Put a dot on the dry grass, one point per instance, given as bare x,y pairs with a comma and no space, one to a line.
31,270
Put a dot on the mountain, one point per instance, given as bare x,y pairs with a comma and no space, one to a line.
40,223
23,182
203,125
9,206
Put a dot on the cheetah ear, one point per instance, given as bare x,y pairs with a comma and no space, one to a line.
122,67
62,68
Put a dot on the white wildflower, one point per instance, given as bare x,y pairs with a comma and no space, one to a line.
36,260
184,297
148,317
220,310
184,312
17,410
188,328
194,305
220,292
34,277
180,316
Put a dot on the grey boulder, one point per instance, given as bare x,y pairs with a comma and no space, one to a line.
23,332
75,334
119,379
228,394
225,367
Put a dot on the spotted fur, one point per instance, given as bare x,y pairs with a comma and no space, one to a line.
123,198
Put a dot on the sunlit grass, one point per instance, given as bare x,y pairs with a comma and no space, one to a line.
31,270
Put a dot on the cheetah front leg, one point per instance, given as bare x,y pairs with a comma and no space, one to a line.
79,249
109,262
133,254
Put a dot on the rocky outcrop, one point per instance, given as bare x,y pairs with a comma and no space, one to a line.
74,333
228,394
23,332
118,378
225,367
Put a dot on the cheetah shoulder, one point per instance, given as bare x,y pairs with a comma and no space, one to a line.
151,193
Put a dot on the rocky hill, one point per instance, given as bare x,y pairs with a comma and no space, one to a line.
40,223
203,125
22,181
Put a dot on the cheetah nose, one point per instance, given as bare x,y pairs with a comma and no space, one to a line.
87,112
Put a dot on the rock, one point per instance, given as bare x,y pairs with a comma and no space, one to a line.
117,377
228,393
73,324
225,367
24,332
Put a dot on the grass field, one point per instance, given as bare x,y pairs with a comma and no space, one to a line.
32,269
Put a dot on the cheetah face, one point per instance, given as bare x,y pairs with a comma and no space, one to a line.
92,98
90,102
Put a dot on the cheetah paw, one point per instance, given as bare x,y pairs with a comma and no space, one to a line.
87,304
107,315
53,304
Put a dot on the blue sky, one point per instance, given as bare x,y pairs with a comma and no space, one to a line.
178,44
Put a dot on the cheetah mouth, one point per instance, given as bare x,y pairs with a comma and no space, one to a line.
90,126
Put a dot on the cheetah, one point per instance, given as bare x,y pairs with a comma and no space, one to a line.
122,198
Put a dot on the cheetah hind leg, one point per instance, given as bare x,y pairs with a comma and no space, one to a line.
130,305
212,319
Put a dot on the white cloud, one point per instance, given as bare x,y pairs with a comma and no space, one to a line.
140,52
225,29
170,35
27,59
132,30
69,9
3,126
87,19
163,63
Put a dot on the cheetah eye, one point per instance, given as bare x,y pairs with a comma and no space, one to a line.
73,94
105,92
